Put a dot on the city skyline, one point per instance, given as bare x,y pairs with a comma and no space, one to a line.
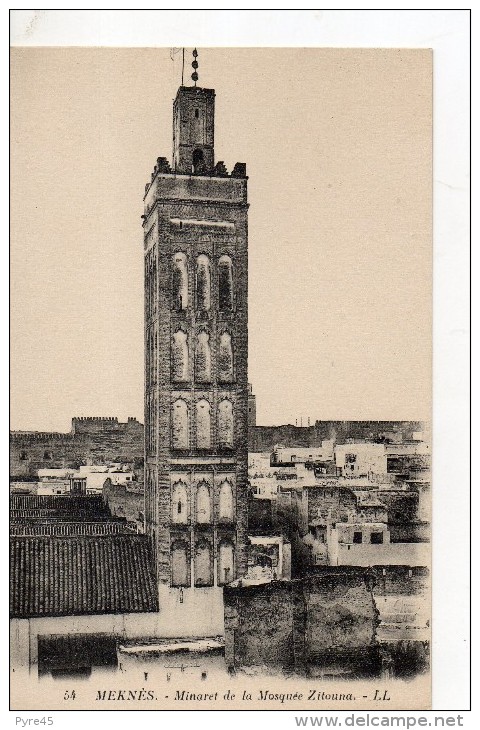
77,319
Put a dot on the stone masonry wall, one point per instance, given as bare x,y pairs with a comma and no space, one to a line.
31,451
170,201
263,438
294,624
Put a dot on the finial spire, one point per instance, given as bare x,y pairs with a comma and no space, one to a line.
195,66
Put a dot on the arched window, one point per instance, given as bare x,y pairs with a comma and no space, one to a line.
147,424
154,287
226,563
146,282
154,356
203,283
180,282
180,564
148,494
148,367
179,504
203,358
152,422
180,356
180,425
225,423
203,504
225,502
203,564
155,420
225,284
225,358
203,424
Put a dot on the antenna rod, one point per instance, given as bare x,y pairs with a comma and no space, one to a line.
183,62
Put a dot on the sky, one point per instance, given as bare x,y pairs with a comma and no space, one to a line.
338,151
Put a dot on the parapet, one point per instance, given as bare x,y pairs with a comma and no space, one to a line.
43,436
95,418
163,167
93,423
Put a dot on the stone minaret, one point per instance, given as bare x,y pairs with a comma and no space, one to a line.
196,390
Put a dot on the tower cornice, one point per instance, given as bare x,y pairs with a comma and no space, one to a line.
193,203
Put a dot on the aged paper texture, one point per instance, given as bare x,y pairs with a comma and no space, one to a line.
221,378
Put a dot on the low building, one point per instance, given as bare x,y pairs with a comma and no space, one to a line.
120,476
339,525
54,481
264,487
125,501
60,486
92,478
361,459
302,455
266,484
261,476
23,485
269,558
366,544
77,576
74,598
258,463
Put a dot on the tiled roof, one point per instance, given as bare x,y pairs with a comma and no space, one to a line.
57,506
59,576
54,515
61,528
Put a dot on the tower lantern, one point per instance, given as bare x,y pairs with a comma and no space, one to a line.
193,130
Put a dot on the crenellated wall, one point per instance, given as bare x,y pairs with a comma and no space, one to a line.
91,439
263,438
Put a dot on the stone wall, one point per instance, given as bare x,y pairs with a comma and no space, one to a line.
329,503
297,625
263,438
95,440
123,502
344,623
399,553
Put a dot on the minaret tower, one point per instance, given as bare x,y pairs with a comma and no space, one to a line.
196,389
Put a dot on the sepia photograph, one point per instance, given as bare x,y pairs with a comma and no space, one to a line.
221,378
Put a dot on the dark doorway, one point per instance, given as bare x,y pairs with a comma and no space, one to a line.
198,164
75,656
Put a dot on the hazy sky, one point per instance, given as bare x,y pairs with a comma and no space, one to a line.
338,151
